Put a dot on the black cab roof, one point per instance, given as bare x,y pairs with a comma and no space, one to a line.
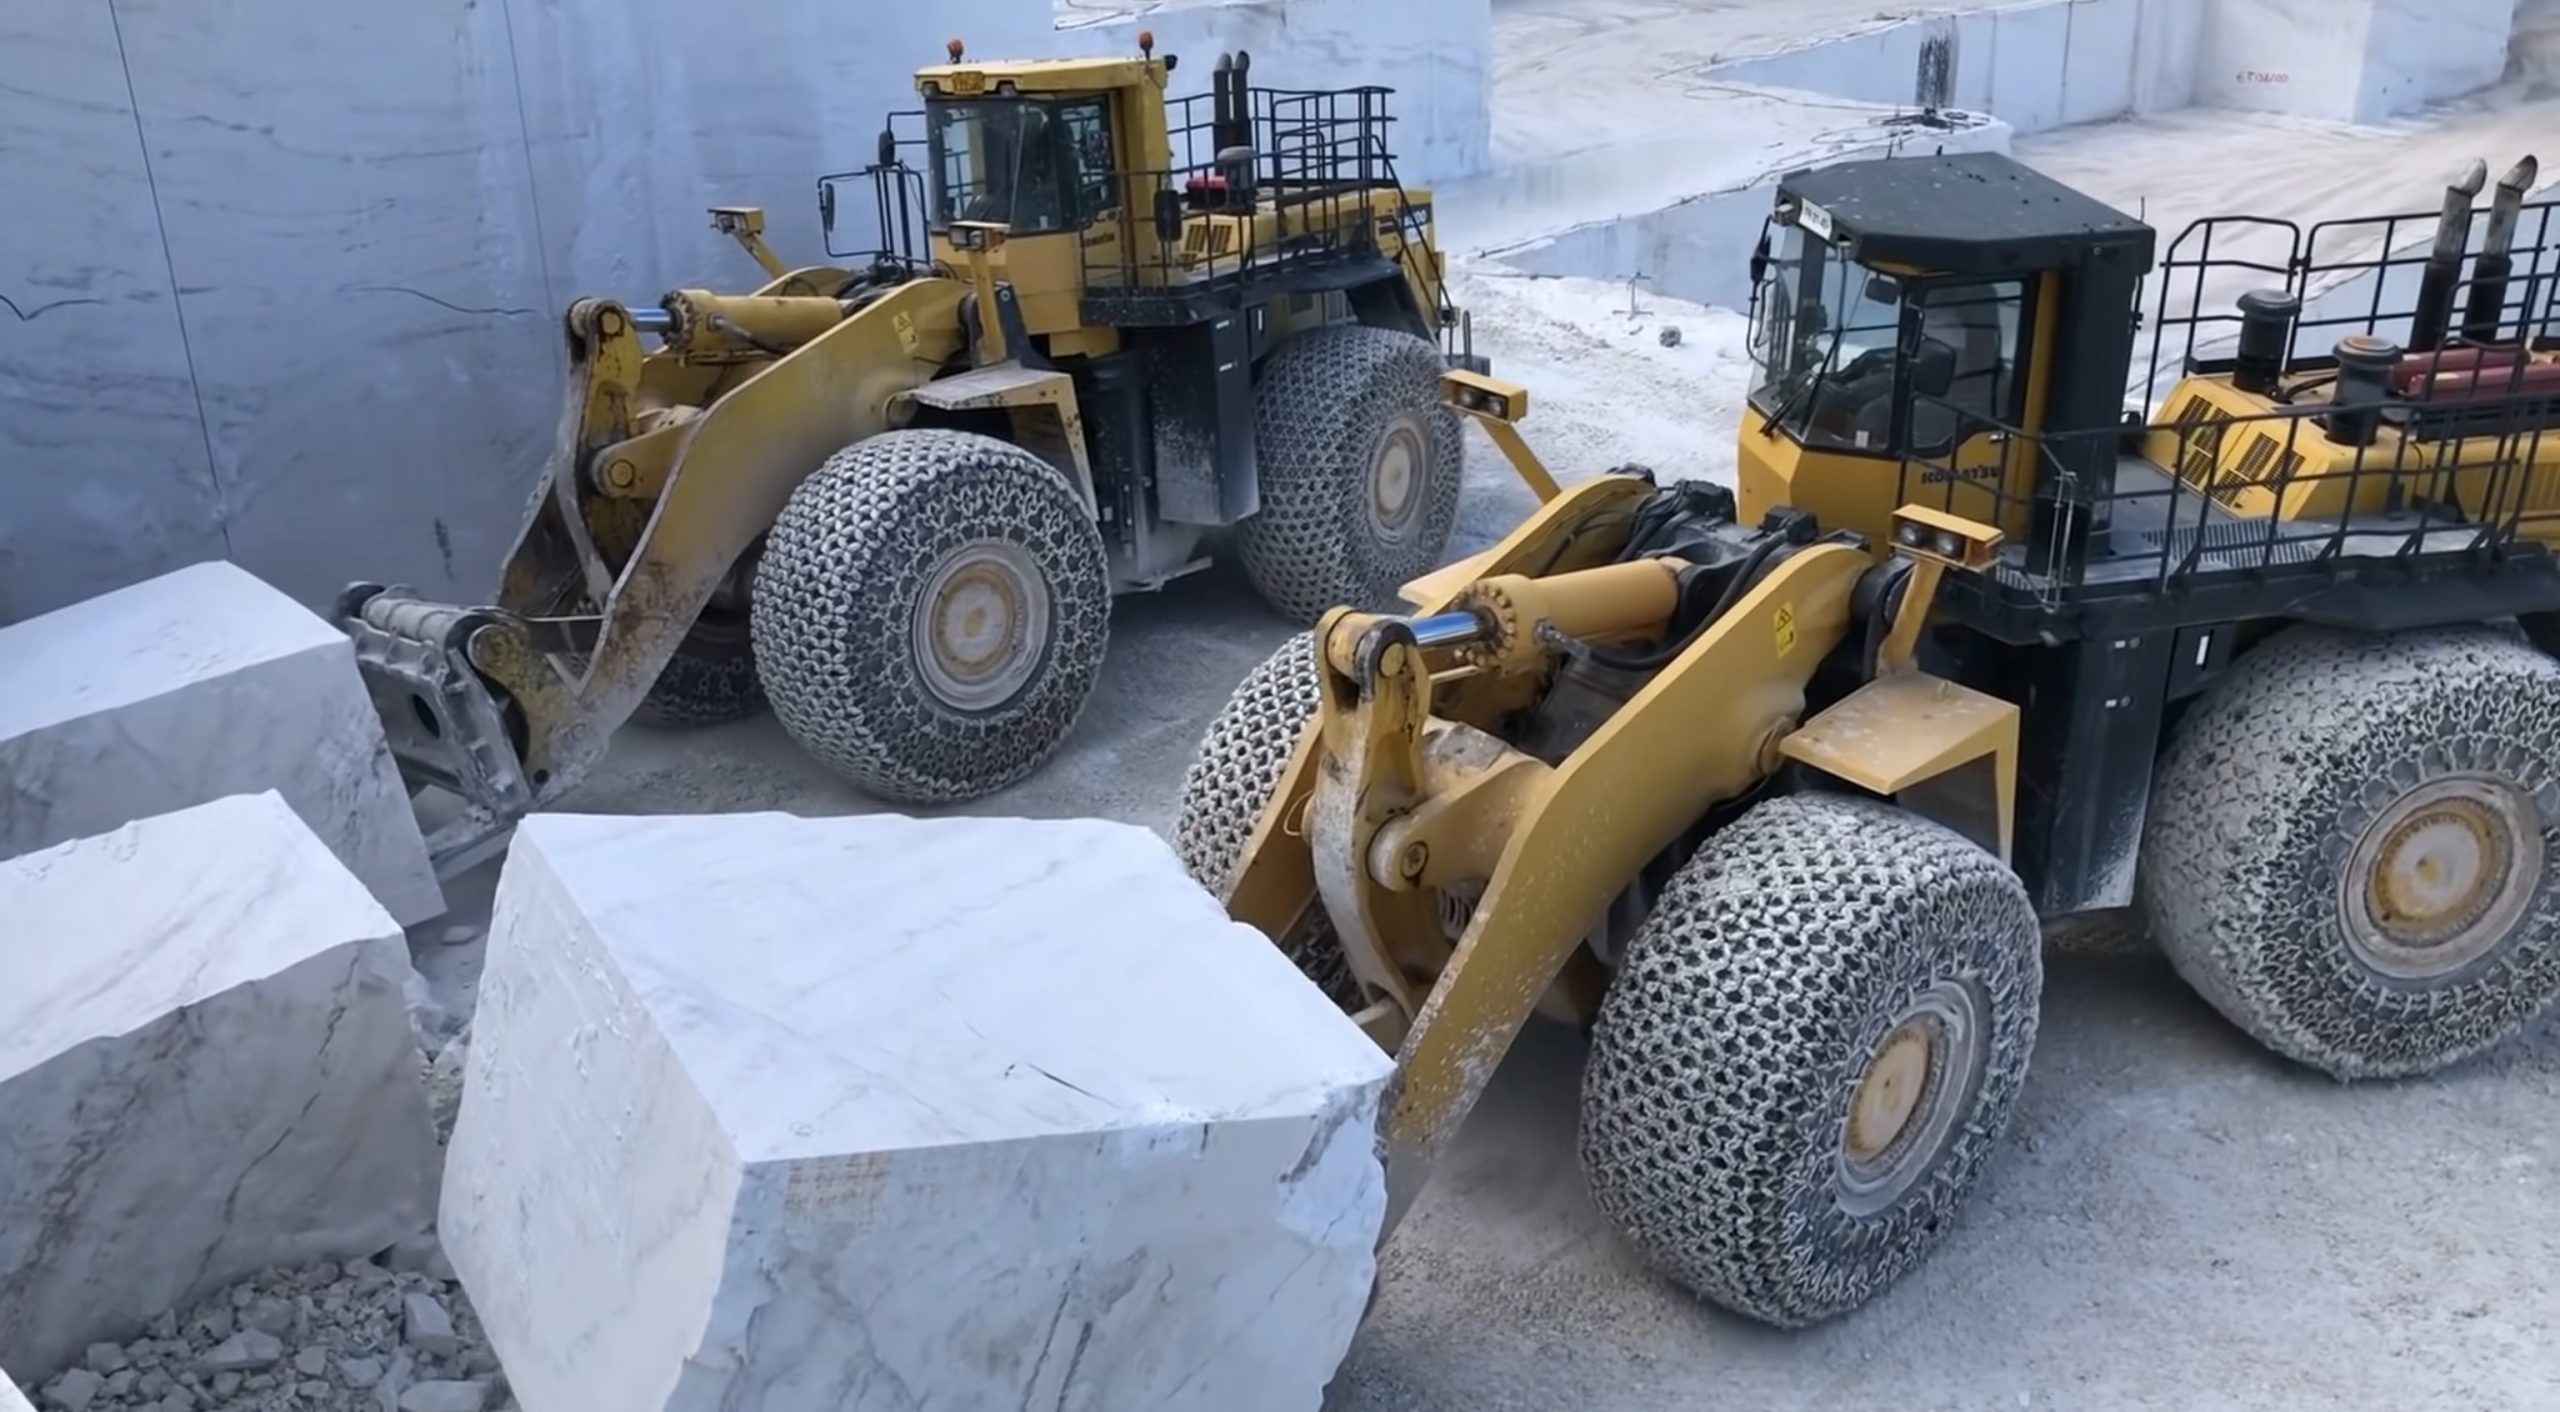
1975,212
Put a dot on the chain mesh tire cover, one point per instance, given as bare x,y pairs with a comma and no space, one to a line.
1230,781
1716,1100
1327,402
711,680
836,595
2257,808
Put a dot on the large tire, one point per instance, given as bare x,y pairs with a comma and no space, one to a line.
2351,844
1360,467
930,614
1821,960
1230,782
710,681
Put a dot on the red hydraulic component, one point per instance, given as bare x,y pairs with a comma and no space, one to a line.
2462,373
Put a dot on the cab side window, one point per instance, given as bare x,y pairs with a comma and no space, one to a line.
1965,367
1091,188
1979,325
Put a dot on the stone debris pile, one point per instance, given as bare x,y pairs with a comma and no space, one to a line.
387,1334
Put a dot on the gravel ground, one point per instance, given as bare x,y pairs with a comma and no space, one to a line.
386,1334
2179,1221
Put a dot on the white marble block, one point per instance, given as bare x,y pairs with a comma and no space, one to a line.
192,686
881,1113
206,1068
12,1400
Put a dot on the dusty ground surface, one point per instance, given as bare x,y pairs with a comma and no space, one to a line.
2180,1221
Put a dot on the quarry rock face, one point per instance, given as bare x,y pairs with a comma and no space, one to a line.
881,1113
193,686
206,1068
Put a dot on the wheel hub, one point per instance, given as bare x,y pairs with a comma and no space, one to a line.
1911,1093
1396,473
2440,877
981,624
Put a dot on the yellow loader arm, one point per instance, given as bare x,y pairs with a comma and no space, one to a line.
668,467
1402,811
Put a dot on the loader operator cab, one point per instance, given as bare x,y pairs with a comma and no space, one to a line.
1926,317
1027,173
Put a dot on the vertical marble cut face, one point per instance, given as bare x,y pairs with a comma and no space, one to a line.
888,1113
192,686
300,306
206,1068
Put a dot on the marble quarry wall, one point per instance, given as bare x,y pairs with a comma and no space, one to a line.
2348,60
282,281
1683,215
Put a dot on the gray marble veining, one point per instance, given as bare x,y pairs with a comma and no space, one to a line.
206,1068
788,1114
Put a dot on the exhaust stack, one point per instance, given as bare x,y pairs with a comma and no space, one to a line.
2444,263
2266,336
2487,309
2364,384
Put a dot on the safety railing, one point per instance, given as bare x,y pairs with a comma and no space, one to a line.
1312,172
2454,462
879,215
2369,276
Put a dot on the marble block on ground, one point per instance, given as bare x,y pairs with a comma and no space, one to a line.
12,1400
206,1068
193,686
882,1113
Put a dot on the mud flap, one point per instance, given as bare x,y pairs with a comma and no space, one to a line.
1205,468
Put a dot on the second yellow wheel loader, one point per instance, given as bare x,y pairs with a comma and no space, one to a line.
896,496
1771,790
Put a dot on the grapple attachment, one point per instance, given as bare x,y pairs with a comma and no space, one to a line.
444,680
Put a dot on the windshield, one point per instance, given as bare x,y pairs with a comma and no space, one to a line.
995,161
1822,336
1034,165
1854,359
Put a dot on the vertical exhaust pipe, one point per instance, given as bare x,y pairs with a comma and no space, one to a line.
2444,264
2487,309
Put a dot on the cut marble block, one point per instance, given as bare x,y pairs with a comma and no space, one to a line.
193,686
206,1068
12,1400
879,1113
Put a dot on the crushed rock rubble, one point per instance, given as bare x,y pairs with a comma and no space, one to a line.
389,1334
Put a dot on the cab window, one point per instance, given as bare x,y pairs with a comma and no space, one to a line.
1975,324
1824,337
1035,165
1854,359
996,160
1091,172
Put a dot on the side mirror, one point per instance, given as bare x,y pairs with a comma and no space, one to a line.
1883,289
1169,216
888,147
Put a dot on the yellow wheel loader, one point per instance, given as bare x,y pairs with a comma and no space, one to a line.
896,495
1771,790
